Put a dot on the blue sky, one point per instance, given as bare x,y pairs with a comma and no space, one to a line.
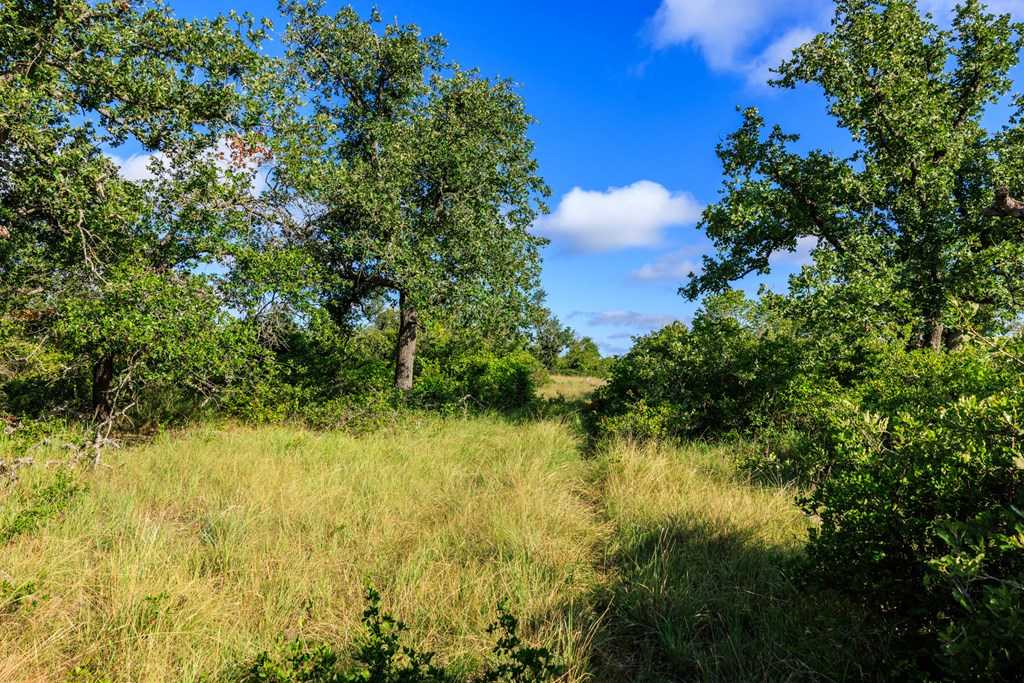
631,99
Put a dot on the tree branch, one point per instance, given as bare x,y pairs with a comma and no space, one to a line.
1005,206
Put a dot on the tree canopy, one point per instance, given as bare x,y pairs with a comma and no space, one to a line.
77,80
924,202
417,177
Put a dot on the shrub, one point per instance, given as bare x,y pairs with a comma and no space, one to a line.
733,365
483,380
984,572
912,474
380,657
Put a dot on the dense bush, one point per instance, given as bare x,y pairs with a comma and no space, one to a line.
732,365
916,475
480,380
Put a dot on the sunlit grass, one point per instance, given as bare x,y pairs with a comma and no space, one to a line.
188,555
569,387
196,550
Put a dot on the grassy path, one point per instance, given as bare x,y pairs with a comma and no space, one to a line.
190,554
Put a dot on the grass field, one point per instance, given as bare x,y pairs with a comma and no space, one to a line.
569,387
184,557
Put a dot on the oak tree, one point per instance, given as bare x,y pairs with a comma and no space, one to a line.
407,175
100,268
913,202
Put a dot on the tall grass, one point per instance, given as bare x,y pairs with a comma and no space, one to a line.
183,557
193,552
699,586
570,387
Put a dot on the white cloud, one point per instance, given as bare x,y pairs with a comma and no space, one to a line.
801,256
137,166
759,70
619,217
731,34
721,29
673,266
750,37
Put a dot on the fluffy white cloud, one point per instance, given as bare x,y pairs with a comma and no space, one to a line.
619,217
721,29
732,34
750,37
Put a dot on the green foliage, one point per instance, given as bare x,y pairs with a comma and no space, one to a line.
549,339
380,657
913,473
734,364
984,572
95,267
28,509
481,380
582,357
909,208
167,337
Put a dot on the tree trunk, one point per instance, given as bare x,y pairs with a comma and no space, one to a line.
935,336
102,378
405,348
954,339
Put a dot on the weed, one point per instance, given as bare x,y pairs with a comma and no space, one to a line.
39,504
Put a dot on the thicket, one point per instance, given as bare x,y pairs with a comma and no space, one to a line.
888,381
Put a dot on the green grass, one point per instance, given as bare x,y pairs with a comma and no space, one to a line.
189,555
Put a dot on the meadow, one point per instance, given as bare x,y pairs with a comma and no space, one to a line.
183,558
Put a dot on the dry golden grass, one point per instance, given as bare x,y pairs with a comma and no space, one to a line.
195,552
192,552
569,387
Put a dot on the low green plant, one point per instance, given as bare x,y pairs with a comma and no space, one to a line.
15,596
32,508
482,380
380,657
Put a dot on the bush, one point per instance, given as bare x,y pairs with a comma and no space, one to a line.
735,364
482,380
913,474
380,657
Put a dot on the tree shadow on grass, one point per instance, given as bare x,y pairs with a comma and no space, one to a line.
688,602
